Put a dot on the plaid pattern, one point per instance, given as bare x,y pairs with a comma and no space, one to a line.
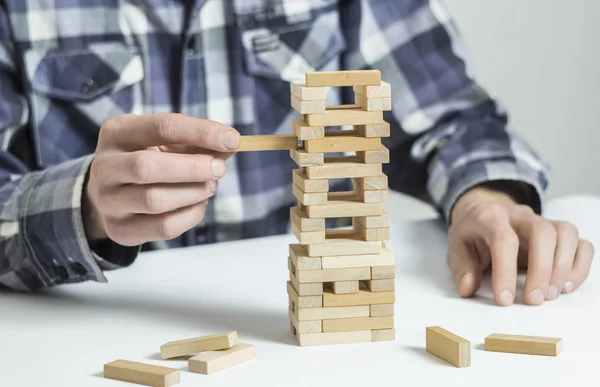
66,66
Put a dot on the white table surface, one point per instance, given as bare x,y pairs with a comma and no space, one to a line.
64,336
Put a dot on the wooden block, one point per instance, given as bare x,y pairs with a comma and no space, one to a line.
448,346
363,297
371,183
384,258
306,289
332,275
314,326
343,246
375,234
375,196
303,222
309,185
381,285
301,260
338,143
309,199
141,373
303,301
384,335
381,129
338,116
307,107
527,345
304,93
343,312
381,310
383,90
373,104
343,78
358,324
344,208
334,338
343,167
268,142
198,344
383,272
213,361
308,237
377,156
345,287
305,132
381,221
305,159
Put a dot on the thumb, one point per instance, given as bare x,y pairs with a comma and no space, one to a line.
465,267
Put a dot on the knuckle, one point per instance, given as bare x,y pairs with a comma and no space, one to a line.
152,199
139,167
491,213
567,229
545,229
524,210
163,127
506,237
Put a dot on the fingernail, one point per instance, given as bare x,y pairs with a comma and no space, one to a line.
213,185
218,167
568,287
506,297
536,297
229,140
552,292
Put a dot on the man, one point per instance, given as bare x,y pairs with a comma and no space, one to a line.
95,162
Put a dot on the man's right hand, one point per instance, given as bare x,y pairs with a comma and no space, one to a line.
152,176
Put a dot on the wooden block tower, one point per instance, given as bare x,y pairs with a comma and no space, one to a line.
341,287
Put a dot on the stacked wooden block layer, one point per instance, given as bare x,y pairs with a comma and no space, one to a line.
341,288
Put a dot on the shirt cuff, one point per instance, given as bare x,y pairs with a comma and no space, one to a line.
53,231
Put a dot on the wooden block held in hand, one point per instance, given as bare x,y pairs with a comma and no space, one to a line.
527,345
268,142
141,373
343,78
213,361
448,346
198,344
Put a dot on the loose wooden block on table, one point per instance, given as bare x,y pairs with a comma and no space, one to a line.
302,92
384,335
345,287
307,107
198,344
335,312
268,142
384,258
141,373
333,275
305,159
383,90
315,301
527,345
343,78
305,132
213,361
309,185
448,346
358,324
380,310
343,167
363,297
381,129
334,338
383,272
342,143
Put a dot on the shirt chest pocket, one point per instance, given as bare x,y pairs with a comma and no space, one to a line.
72,92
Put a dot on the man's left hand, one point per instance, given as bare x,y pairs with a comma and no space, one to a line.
488,229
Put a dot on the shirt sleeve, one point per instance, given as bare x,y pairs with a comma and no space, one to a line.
42,237
448,133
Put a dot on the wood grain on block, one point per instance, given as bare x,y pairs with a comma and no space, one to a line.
383,272
268,142
335,312
314,326
343,167
363,297
198,344
299,257
339,116
448,346
308,237
375,196
332,275
382,310
344,208
381,285
334,338
373,221
357,324
527,345
343,246
307,107
302,92
384,258
343,78
213,361
305,132
305,159
371,183
381,129
339,143
376,156
383,90
309,185
309,198
384,335
345,287
306,289
303,301
373,104
375,234
141,373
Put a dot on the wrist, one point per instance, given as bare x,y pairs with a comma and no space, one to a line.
92,221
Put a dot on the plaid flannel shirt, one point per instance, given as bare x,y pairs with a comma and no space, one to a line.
66,66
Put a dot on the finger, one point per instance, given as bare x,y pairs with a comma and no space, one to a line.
133,132
156,198
581,266
465,267
140,229
567,238
151,167
542,237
